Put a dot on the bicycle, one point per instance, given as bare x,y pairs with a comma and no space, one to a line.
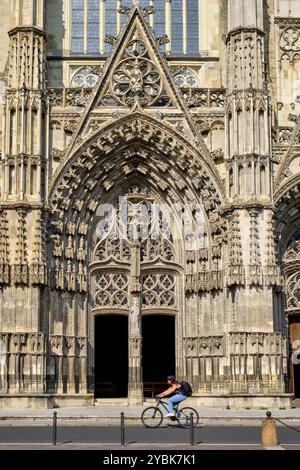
152,417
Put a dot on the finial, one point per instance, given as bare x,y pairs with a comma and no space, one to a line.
124,10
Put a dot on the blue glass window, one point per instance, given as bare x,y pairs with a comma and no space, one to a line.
177,27
159,17
77,26
125,3
110,20
128,3
111,24
93,26
192,27
144,3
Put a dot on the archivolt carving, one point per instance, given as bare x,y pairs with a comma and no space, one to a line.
135,149
293,291
141,130
291,269
287,192
292,252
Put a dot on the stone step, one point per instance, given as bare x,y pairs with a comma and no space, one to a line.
111,402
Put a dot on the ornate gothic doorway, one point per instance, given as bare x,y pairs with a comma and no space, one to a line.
158,352
135,271
294,335
111,356
291,269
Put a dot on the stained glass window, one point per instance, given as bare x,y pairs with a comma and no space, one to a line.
159,17
78,26
192,27
86,28
93,26
177,27
110,20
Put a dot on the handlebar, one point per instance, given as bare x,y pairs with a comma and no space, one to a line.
158,399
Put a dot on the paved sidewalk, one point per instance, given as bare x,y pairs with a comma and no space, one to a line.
111,414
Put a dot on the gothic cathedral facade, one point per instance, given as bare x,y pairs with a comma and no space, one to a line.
190,107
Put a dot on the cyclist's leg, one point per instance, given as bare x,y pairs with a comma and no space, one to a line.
175,399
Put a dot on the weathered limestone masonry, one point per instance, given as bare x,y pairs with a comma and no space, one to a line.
220,131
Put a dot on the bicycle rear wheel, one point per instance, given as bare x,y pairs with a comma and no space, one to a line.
152,417
184,416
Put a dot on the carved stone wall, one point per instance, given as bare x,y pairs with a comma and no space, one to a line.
23,362
139,124
237,362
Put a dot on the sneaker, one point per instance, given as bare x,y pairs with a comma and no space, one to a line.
170,415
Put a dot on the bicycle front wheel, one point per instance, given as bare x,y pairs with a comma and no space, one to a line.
184,416
152,417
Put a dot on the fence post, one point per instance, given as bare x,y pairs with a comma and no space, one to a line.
54,427
192,437
122,429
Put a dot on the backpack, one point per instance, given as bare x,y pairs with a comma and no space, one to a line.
186,389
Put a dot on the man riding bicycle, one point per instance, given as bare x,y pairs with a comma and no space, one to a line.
175,389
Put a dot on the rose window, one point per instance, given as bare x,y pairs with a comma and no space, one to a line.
136,77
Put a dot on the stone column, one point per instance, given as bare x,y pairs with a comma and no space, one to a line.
135,383
168,25
102,26
248,111
151,4
184,25
85,33
82,364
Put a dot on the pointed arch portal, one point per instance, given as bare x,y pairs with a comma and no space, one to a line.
113,271
136,293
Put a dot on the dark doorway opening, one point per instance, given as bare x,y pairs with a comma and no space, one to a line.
297,380
294,330
158,352
111,356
